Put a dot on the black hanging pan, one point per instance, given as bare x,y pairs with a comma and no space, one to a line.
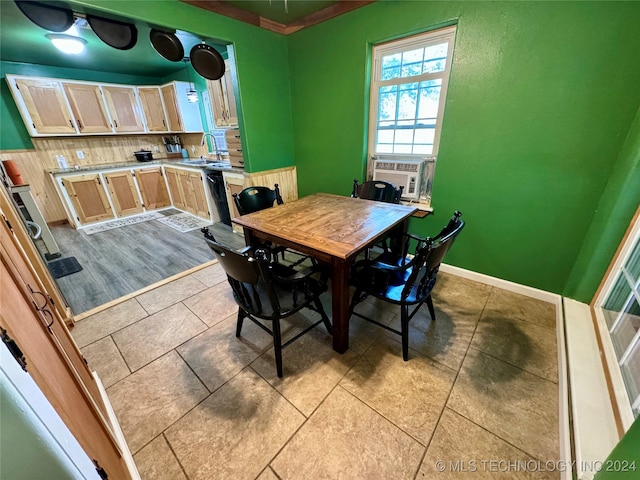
50,17
207,61
167,45
114,33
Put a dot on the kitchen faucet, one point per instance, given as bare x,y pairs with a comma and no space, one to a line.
213,143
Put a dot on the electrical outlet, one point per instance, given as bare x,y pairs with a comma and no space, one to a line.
62,162
193,149
80,154
156,149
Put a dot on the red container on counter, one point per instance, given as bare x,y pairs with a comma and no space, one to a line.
12,171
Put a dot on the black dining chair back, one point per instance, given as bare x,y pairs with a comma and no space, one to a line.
405,280
377,190
253,199
267,291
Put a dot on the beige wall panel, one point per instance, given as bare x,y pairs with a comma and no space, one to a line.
286,178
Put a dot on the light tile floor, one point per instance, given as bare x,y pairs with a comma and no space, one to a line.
479,392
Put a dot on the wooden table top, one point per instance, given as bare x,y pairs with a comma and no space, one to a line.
336,225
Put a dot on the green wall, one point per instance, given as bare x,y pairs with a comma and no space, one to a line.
541,98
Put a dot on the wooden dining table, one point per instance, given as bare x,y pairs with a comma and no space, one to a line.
334,230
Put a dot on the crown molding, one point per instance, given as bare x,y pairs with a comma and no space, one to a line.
223,8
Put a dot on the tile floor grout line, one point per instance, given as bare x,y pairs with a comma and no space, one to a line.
174,454
453,384
495,435
512,365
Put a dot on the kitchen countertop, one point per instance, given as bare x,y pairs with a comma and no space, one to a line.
197,163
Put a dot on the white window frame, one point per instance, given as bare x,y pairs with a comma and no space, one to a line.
624,403
413,42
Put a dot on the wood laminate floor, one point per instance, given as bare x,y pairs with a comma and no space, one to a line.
126,259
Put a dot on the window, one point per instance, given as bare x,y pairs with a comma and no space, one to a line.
408,92
618,314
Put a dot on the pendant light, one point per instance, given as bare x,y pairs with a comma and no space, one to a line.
192,95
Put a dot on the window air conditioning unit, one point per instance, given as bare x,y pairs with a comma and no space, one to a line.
406,173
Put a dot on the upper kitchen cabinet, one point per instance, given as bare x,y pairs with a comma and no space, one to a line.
88,107
124,109
182,115
42,105
223,100
151,100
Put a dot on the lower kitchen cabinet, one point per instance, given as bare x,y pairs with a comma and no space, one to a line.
153,188
88,198
123,192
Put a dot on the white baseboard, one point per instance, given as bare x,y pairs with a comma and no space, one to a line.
504,284
563,382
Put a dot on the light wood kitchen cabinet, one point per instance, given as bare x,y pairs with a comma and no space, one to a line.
171,108
194,194
52,359
187,191
88,198
174,182
223,100
124,110
43,106
233,183
88,107
154,114
152,188
123,192
181,115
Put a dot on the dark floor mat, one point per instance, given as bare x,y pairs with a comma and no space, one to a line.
64,266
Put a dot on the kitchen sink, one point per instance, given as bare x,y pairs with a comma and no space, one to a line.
196,161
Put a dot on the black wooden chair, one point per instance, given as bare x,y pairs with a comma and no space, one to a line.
267,291
377,190
403,279
253,199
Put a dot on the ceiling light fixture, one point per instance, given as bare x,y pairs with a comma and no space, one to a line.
192,95
67,43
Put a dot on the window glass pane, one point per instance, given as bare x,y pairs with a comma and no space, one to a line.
412,63
422,149
631,374
425,135
429,101
626,329
633,264
404,136
388,97
616,300
408,101
385,136
435,58
391,66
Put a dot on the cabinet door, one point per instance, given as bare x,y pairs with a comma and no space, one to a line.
47,106
123,107
152,188
52,359
195,198
227,84
233,183
175,187
153,110
124,194
218,103
171,108
88,107
88,198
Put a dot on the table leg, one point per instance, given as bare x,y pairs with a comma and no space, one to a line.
340,304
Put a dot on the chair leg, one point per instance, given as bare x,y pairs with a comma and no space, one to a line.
241,316
354,301
321,311
430,306
277,346
404,320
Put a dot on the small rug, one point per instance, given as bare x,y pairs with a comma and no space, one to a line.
121,222
184,222
64,266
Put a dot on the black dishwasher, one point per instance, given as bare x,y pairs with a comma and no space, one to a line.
216,183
